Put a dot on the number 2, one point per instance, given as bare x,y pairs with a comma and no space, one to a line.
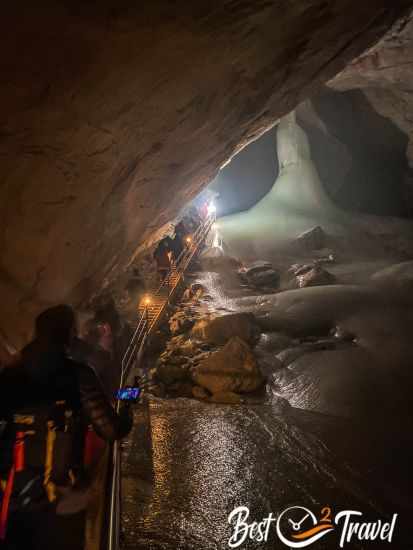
326,514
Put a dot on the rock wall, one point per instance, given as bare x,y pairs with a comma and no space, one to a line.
114,114
360,155
385,75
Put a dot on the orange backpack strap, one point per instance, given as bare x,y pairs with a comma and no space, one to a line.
18,454
18,466
4,510
50,447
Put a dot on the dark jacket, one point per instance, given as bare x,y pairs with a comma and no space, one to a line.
46,376
161,255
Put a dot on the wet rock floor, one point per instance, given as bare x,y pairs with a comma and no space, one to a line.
329,431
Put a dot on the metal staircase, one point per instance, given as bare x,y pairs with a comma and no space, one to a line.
150,313
153,306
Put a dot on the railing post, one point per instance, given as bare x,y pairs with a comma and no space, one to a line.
114,509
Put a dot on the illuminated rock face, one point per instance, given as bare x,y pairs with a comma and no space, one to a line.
113,115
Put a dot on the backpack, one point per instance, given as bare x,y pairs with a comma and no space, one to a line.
40,449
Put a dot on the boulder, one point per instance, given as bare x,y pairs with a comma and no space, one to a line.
218,330
174,344
200,393
324,256
187,295
197,290
180,345
254,268
194,292
231,369
342,334
200,356
180,322
273,342
180,389
268,363
316,276
227,398
260,274
269,278
300,269
168,374
312,239
188,348
175,359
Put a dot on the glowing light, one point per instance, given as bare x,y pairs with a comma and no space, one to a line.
211,208
147,301
188,240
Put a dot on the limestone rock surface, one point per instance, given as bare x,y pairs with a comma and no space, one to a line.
231,369
218,330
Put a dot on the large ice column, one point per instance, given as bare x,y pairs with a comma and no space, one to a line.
298,186
296,202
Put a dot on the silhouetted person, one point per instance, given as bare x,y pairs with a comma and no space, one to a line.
135,285
102,343
161,256
175,246
192,219
181,231
45,404
181,234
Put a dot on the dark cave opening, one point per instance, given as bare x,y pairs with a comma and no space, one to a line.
248,177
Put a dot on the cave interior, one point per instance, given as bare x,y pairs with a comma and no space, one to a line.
295,119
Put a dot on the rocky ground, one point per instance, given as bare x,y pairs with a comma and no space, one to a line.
275,395
241,328
206,356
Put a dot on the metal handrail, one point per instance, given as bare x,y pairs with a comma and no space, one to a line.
133,352
130,353
177,270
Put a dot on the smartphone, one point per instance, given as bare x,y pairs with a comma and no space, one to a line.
130,393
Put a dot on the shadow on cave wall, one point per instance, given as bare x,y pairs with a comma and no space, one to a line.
249,176
360,155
